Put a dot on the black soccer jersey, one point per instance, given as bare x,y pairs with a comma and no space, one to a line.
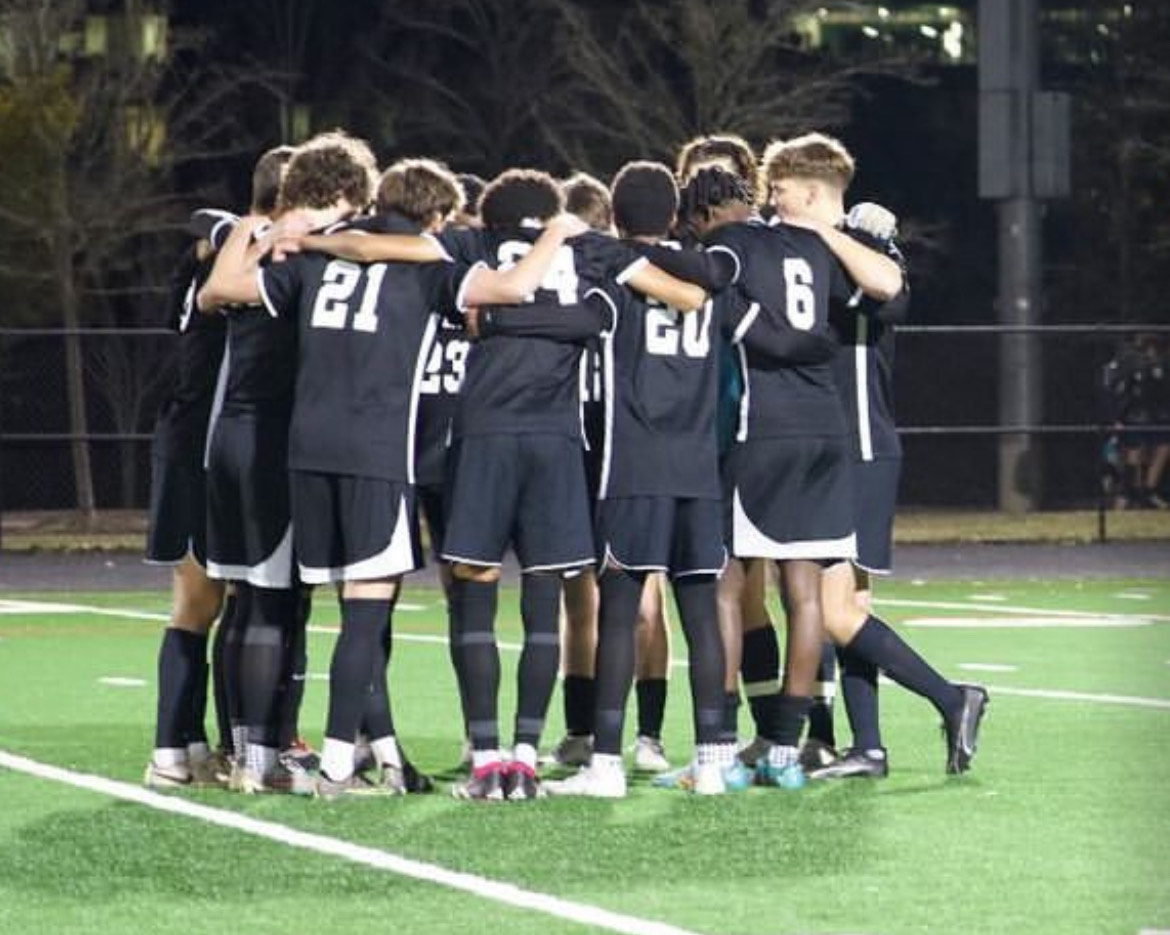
527,384
864,366
180,430
662,384
778,318
446,364
363,331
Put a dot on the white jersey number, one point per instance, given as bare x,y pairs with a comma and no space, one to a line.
339,282
802,301
560,277
668,331
445,369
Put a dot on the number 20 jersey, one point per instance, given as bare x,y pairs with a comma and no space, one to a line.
661,371
777,317
364,331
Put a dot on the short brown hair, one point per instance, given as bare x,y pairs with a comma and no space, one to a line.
812,156
718,146
419,189
267,176
589,199
358,149
319,176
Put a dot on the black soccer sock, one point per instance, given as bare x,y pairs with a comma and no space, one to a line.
224,647
540,603
617,619
730,729
790,717
263,662
377,716
695,595
473,616
293,680
358,648
877,643
177,670
860,690
197,705
759,668
652,706
580,694
820,715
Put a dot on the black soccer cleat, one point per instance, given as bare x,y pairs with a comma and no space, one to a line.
854,764
417,782
962,728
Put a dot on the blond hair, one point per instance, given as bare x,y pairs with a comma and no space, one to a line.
811,156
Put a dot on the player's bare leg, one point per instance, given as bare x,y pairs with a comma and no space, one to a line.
651,673
730,597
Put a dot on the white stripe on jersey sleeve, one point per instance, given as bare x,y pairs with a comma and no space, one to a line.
461,292
748,320
721,248
861,363
632,270
264,299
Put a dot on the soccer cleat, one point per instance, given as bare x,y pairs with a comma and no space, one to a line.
286,777
734,778
212,771
573,750
591,781
962,728
485,784
707,779
737,777
166,777
780,768
816,754
360,785
305,755
521,783
854,764
416,781
650,756
754,751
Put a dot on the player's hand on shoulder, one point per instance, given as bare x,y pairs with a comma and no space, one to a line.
873,219
285,235
568,225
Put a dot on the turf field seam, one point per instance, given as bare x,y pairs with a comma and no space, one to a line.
483,887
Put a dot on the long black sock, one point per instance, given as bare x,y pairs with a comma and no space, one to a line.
176,673
195,729
224,635
233,649
617,619
860,690
880,645
358,648
263,664
820,715
790,718
652,706
759,668
540,603
730,730
580,693
695,595
473,617
297,662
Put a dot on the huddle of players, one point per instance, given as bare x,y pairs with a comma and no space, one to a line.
362,312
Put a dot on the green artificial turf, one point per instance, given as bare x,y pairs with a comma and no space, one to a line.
1059,828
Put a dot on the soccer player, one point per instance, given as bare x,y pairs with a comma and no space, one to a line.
364,336
787,486
177,534
807,178
660,496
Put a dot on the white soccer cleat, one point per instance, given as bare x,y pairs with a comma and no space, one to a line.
286,777
650,755
707,779
166,777
593,781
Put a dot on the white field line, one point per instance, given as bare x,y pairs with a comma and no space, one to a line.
1024,623
987,667
434,639
1008,609
483,887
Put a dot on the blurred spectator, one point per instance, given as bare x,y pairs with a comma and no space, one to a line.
1135,391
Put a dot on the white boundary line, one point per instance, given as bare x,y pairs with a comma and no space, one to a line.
1009,609
1058,695
483,887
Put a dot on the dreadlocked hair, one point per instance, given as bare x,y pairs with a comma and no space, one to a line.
710,188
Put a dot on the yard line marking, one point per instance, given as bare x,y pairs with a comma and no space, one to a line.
1022,623
1160,703
987,667
483,887
1134,596
122,681
992,598
1007,609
